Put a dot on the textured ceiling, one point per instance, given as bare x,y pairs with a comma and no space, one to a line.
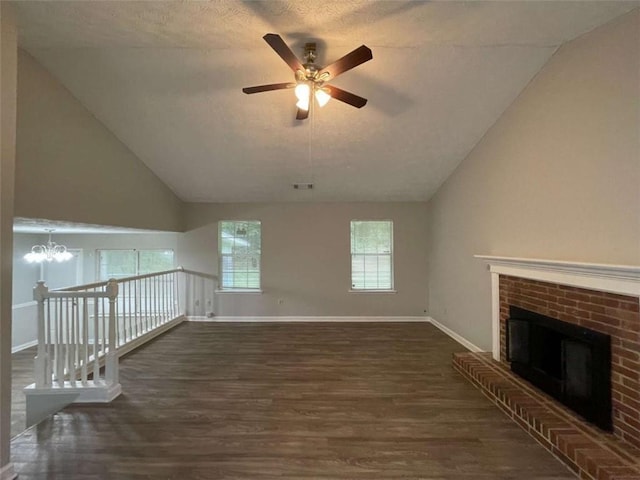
166,78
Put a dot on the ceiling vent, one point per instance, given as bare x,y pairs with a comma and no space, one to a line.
303,186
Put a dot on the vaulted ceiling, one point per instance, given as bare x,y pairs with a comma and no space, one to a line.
166,79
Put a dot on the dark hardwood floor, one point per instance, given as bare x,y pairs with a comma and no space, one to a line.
288,401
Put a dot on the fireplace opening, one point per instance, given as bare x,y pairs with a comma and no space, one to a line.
569,362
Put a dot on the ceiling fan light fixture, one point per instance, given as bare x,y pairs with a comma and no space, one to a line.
322,97
303,104
302,91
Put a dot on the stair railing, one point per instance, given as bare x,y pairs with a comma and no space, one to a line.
82,328
73,343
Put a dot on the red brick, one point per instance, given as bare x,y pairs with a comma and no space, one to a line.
599,300
630,306
568,303
579,295
634,346
632,364
626,353
628,392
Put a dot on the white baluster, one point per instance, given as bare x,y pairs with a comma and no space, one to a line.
111,362
150,304
103,318
59,349
156,303
69,343
49,340
76,331
165,296
96,339
85,340
135,307
129,311
174,294
163,299
42,358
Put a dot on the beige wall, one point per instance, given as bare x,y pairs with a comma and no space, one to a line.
557,177
70,167
306,257
8,52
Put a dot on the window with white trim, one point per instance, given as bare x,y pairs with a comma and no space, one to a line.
239,253
130,262
372,255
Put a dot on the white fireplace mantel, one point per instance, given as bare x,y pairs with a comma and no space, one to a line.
621,279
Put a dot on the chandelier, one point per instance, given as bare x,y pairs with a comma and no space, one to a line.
48,253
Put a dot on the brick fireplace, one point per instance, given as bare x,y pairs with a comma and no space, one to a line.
600,298
612,314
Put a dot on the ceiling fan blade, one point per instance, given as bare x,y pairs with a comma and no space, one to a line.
350,60
302,114
267,88
275,41
344,96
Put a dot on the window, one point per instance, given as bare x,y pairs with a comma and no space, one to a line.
372,255
128,263
239,245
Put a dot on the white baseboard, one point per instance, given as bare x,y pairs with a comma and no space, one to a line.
458,338
300,319
7,472
24,346
293,319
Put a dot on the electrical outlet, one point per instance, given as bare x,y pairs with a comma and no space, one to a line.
280,301
197,303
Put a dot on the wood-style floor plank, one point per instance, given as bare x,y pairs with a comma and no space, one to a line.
288,401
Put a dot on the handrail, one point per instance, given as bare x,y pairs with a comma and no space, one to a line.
88,286
118,280
200,274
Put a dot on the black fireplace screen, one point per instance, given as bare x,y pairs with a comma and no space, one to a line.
569,362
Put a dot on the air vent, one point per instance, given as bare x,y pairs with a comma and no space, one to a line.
303,186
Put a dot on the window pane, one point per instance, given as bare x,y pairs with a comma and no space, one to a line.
240,254
154,261
116,264
372,255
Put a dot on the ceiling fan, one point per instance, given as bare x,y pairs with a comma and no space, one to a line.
311,80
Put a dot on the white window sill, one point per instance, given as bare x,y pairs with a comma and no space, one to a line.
372,291
239,290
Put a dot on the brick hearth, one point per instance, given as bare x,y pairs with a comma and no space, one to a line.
591,453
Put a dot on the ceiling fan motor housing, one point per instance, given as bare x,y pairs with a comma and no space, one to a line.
310,68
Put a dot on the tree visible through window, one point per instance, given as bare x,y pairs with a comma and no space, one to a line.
240,248
371,255
128,263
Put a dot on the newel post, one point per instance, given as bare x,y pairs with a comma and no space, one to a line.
41,362
111,363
